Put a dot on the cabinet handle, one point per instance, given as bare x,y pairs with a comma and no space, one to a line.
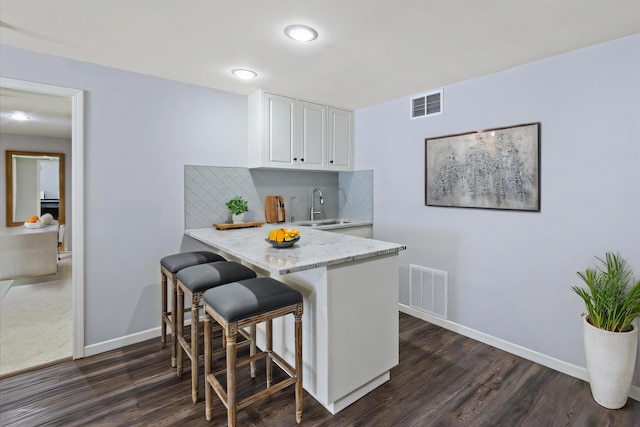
295,158
330,161
302,160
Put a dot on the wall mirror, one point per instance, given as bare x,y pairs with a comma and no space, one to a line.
35,186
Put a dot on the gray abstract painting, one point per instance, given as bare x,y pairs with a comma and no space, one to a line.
492,169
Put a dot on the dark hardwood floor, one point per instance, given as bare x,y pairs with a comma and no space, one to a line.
443,379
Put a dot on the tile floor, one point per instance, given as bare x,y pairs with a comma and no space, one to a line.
36,320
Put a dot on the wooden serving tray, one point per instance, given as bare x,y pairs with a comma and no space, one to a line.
240,225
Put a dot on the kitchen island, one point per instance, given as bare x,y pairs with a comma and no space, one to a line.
350,290
26,252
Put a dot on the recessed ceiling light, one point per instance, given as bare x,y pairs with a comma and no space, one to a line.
19,115
243,73
301,33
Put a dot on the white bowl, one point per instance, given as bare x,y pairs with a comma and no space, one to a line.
35,224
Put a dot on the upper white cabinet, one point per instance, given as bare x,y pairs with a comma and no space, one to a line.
289,133
312,135
272,131
340,139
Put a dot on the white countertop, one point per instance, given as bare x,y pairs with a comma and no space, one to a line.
21,229
316,248
27,252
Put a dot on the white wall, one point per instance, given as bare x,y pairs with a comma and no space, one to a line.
510,272
49,179
140,131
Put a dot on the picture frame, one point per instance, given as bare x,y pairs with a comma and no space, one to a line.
491,169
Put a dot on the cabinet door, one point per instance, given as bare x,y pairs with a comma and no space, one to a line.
340,139
280,131
312,142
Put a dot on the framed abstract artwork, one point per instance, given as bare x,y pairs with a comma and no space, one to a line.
490,169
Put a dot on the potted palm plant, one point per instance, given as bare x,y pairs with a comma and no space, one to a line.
612,301
237,206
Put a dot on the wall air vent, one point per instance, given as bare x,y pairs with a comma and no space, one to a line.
429,104
428,290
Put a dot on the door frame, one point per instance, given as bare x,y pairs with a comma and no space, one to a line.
77,196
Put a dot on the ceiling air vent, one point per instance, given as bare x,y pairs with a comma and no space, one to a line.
429,104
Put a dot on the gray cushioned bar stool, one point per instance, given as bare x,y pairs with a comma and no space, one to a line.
235,306
193,282
169,267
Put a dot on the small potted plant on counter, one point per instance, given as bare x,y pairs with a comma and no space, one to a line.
237,206
612,300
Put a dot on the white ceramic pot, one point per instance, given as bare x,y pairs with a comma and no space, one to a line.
611,359
237,219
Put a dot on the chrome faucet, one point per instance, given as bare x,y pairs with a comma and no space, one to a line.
313,199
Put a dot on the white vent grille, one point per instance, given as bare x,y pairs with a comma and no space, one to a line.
428,290
429,104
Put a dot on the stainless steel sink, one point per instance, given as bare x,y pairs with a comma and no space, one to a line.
323,222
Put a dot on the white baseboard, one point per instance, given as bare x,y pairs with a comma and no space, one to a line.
116,343
544,360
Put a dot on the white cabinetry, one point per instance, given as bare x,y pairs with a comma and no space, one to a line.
289,133
272,131
312,131
340,139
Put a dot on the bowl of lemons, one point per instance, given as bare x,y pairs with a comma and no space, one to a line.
283,238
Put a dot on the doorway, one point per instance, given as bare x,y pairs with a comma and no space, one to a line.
75,96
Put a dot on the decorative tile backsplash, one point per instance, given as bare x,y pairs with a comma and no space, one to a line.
207,189
356,195
296,187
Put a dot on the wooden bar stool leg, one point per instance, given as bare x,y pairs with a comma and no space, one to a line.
180,333
252,348
269,343
174,322
208,367
195,326
163,292
298,344
231,374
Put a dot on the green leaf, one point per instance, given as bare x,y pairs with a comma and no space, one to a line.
611,298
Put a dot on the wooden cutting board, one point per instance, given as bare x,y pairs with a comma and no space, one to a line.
274,209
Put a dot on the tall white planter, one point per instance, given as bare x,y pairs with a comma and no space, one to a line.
611,359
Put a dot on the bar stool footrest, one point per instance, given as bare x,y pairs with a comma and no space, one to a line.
257,397
243,361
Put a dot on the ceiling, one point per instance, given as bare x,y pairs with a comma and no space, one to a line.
50,115
367,52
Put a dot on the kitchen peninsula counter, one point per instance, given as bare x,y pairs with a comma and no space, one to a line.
350,290
316,248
